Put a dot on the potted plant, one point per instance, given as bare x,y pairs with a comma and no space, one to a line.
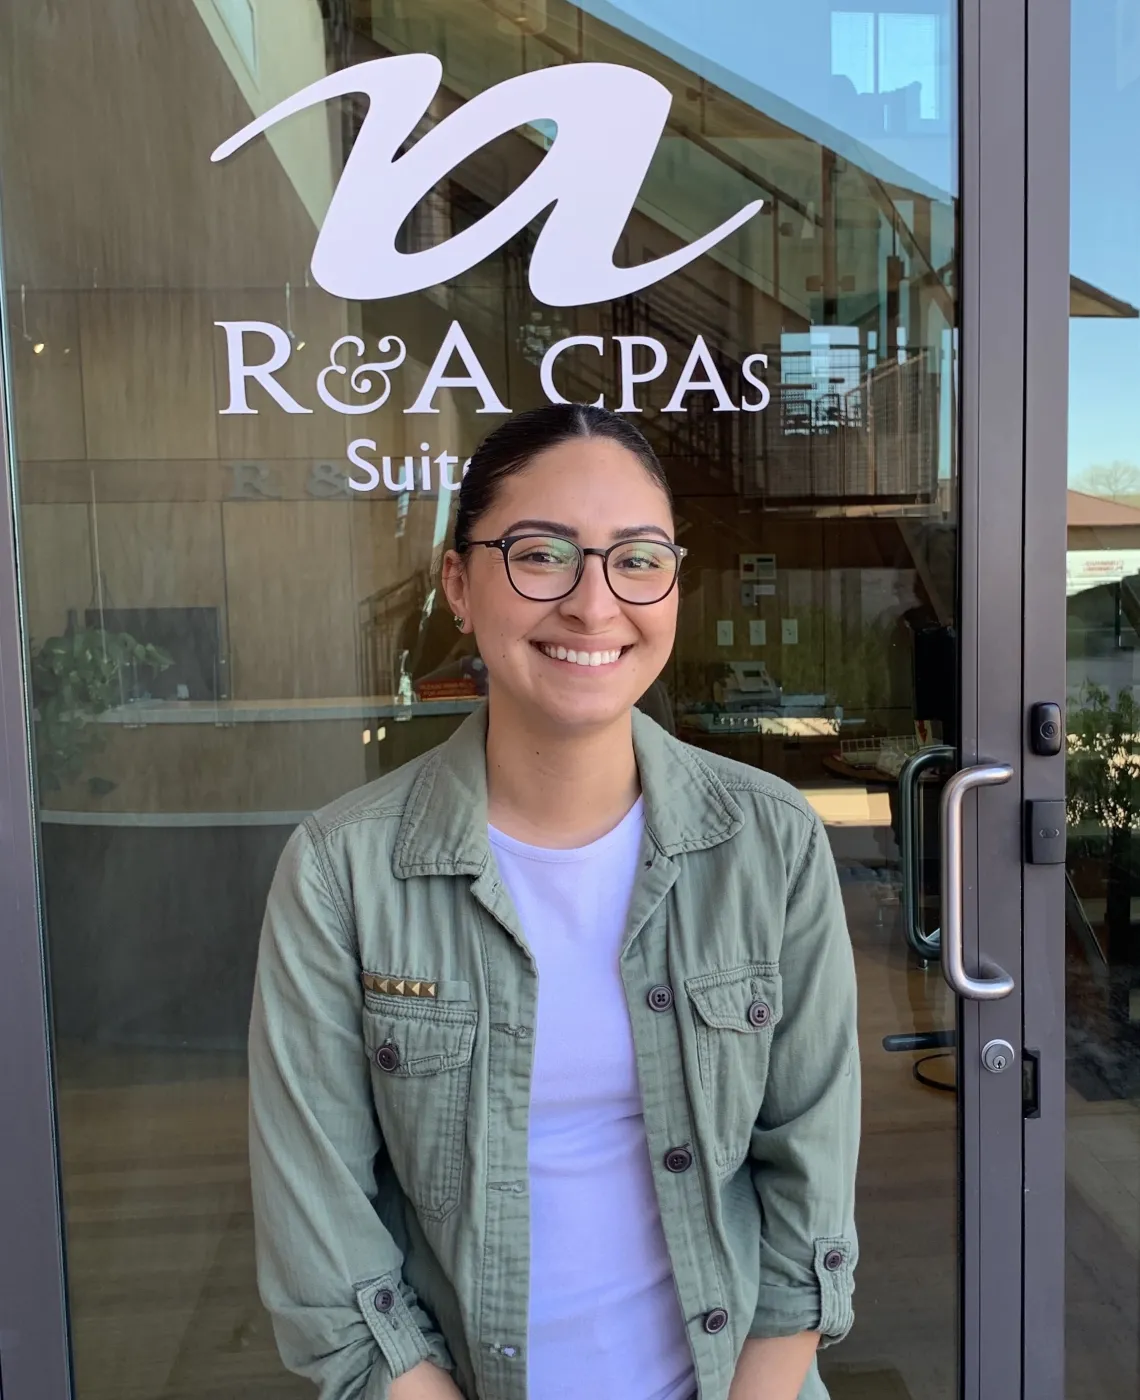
75,678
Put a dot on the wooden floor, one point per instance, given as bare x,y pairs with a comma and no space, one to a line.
160,1234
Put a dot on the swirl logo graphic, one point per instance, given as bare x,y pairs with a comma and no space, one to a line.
609,121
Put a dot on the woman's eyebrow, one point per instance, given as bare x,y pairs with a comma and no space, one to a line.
636,532
546,527
554,527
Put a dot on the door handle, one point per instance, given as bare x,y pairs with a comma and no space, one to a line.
997,983
926,945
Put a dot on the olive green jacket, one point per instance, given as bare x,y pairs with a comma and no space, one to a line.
390,1062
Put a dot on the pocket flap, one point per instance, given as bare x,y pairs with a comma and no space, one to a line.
426,1038
747,999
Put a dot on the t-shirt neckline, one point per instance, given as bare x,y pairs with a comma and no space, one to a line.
555,855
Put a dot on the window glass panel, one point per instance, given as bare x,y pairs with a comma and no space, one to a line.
1102,1161
236,485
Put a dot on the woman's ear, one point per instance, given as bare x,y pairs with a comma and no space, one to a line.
455,589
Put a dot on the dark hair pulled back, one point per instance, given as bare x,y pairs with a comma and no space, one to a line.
513,445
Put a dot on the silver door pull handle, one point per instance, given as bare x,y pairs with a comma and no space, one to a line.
997,983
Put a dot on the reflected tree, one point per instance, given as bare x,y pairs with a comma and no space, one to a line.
1103,798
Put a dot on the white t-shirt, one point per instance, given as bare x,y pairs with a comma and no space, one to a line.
604,1320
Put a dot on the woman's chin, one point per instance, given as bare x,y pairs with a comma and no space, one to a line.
561,707
563,698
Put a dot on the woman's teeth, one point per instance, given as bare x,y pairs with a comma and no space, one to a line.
580,658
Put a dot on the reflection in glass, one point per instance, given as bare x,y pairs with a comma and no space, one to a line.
1103,761
227,632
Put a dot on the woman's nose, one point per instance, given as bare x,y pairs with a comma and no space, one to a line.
592,601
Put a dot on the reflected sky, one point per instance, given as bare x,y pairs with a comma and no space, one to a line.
1105,353
877,85
874,84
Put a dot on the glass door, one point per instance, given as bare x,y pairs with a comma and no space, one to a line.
1096,1002
233,460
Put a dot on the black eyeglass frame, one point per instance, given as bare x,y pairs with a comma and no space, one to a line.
505,545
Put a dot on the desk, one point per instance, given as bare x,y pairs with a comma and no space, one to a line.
227,712
245,762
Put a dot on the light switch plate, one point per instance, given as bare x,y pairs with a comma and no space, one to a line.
757,632
790,631
724,632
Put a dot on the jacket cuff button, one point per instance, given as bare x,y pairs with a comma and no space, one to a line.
716,1321
384,1301
833,1260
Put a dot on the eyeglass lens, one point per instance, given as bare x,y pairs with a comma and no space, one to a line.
543,567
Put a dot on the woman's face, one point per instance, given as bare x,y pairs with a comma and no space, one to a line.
594,492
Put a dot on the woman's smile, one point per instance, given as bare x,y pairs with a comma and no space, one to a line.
582,655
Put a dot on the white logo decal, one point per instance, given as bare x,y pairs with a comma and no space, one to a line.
609,119
360,379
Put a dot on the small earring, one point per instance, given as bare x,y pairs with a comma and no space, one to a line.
458,622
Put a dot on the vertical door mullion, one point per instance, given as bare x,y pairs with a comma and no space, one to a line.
1044,670
34,1353
992,206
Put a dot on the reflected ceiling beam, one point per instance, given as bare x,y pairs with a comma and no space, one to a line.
1087,300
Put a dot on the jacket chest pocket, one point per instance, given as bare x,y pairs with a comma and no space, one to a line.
420,1055
735,1012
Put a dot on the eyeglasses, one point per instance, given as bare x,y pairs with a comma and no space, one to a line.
545,568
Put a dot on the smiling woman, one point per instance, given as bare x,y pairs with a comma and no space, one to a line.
591,484
579,1205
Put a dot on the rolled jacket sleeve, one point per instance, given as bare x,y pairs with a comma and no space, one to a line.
805,1143
329,1271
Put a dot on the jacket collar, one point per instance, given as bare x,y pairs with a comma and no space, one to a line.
444,826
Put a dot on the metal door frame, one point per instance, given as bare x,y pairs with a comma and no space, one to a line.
1015,331
992,321
1014,102
1044,673
35,1352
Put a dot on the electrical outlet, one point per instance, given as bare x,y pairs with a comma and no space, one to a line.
724,633
789,631
757,633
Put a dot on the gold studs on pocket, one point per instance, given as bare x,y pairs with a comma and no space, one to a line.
398,986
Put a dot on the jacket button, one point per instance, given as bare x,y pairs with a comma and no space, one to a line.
678,1159
716,1321
384,1301
833,1260
759,1013
660,998
387,1058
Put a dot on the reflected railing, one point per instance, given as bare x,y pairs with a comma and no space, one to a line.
878,441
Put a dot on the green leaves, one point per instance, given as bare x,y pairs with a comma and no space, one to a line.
75,677
1102,766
